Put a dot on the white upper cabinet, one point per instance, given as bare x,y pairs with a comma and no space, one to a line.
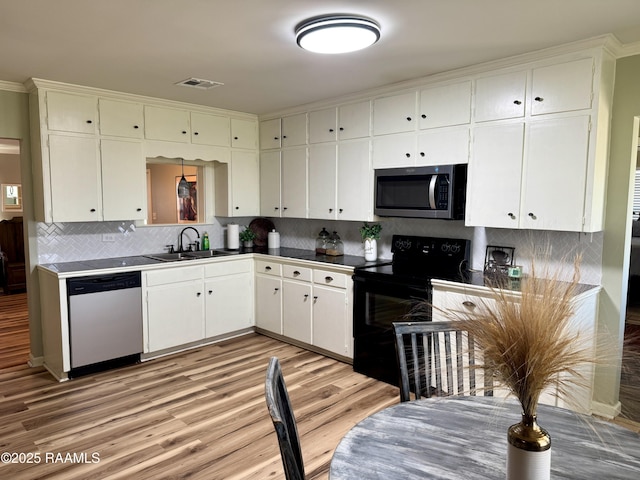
270,134
245,184
123,174
74,168
72,113
323,125
554,177
394,114
354,120
562,87
209,129
394,151
322,181
270,184
343,123
294,183
121,119
493,193
500,96
445,105
443,146
167,124
294,130
355,181
244,134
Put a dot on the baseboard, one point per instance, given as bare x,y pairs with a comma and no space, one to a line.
605,410
35,361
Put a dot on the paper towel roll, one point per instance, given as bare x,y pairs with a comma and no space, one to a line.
233,236
273,240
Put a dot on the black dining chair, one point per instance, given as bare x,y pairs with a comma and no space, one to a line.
436,359
283,421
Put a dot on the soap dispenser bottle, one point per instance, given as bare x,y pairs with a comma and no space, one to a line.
205,241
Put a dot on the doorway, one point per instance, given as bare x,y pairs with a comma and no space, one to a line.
14,314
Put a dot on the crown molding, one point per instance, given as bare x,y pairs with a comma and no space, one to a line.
629,50
12,87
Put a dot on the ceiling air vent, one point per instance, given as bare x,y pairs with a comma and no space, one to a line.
199,83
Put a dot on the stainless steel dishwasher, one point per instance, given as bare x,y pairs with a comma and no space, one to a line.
105,321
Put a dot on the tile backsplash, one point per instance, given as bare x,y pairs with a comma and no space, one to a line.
62,242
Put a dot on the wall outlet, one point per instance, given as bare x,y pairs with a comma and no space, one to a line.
108,237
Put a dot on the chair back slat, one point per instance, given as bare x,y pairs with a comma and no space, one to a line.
438,359
284,422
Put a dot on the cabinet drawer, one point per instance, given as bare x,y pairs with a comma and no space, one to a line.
220,269
270,268
173,275
296,273
333,279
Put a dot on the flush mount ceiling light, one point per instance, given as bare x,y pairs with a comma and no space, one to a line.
337,33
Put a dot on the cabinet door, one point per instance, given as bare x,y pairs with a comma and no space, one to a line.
555,174
244,134
294,183
226,305
121,119
270,181
500,96
354,120
175,314
495,174
69,112
445,105
394,151
322,181
355,181
330,318
322,125
394,114
563,87
270,133
443,146
245,184
167,124
123,180
296,310
269,303
209,129
75,179
294,130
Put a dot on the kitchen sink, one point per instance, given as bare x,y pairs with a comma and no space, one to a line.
171,257
182,256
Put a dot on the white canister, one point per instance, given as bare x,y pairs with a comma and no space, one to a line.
273,240
233,236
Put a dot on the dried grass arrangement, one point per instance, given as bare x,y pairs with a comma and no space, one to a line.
532,345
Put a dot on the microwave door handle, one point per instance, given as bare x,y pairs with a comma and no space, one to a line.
432,191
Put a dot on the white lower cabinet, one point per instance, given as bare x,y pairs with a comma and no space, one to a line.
269,303
175,307
310,305
228,297
296,310
189,304
329,314
458,298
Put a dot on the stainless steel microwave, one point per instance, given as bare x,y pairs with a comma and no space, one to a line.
421,192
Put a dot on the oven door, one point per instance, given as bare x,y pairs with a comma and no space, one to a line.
377,304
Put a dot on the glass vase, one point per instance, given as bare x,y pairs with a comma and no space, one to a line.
529,451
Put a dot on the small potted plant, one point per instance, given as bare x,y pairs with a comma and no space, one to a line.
370,233
246,237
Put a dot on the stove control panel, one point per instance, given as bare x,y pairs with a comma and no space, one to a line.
413,246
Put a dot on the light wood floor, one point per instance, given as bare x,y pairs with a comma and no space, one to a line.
200,414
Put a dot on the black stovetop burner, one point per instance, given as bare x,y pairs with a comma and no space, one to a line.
416,260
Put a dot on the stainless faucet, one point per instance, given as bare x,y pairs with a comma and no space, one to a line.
180,247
